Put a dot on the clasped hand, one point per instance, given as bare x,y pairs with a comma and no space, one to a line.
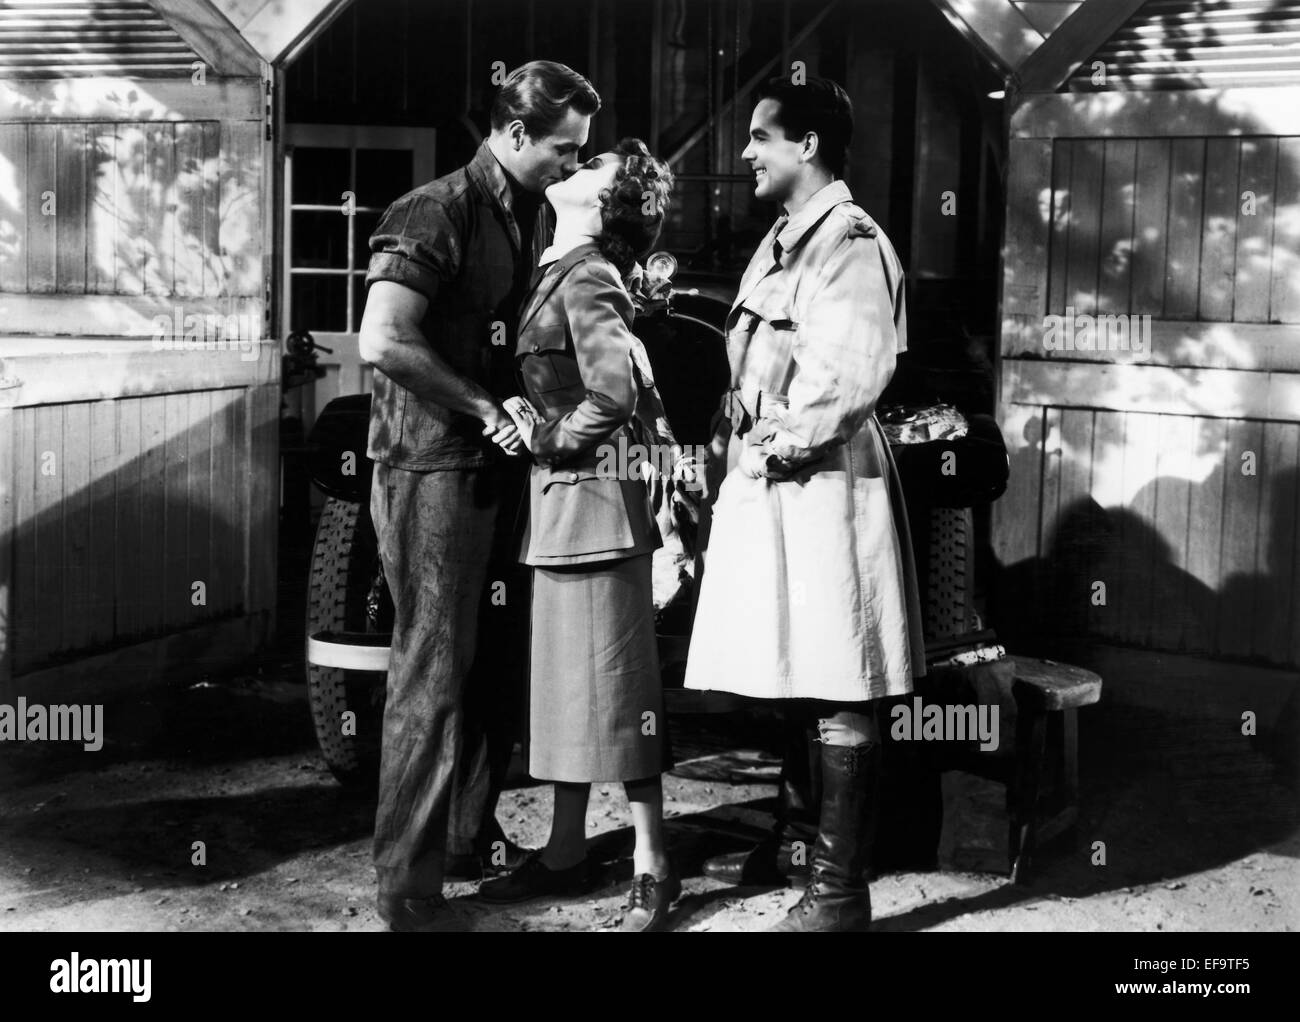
503,431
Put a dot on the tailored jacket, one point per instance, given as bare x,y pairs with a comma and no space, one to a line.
580,366
808,588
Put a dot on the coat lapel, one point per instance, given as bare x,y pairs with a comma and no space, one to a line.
759,267
550,279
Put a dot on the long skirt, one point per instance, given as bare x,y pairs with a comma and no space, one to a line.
596,709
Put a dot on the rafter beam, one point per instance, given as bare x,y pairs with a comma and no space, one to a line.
216,41
1078,38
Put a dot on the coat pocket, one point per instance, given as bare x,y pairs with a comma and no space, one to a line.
577,511
545,360
568,477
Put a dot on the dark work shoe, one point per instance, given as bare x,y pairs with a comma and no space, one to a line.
767,864
649,900
534,880
420,915
499,859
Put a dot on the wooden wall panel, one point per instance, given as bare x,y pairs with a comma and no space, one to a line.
153,513
1201,229
1219,229
106,198
48,547
1026,287
1016,515
42,184
75,592
129,521
1105,449
1175,468
8,444
1074,492
1087,170
1256,206
160,197
131,210
172,209
14,206
198,498
240,231
142,497
262,504
22,624
1238,586
1062,210
1186,193
1115,251
1284,302
1196,555
1277,617
1137,531
176,607
1150,226
70,224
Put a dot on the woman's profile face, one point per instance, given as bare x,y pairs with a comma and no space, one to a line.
581,191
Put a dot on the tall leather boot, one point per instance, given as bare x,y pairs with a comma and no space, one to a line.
785,855
838,898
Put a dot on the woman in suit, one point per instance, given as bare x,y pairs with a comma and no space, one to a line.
595,705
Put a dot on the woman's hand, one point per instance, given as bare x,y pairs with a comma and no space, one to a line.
753,462
524,420
503,430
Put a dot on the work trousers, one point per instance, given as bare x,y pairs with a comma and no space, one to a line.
459,647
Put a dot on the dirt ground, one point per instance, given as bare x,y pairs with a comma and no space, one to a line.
1202,832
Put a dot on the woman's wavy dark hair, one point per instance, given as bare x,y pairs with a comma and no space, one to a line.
632,211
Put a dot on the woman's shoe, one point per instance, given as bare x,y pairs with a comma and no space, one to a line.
649,900
535,880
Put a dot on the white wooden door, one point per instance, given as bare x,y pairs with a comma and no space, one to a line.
338,180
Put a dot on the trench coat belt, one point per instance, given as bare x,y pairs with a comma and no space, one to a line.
743,406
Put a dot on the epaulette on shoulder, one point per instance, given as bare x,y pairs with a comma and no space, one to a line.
597,266
859,224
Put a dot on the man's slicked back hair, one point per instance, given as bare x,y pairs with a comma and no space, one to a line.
538,94
818,105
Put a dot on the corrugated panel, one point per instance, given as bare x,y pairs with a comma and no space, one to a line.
78,38
1198,44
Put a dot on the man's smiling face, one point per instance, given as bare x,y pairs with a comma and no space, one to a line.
773,157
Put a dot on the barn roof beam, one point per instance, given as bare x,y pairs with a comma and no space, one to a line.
1078,38
997,28
280,29
216,41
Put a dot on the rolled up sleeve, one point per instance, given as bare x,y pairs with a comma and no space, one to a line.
844,355
598,311
416,244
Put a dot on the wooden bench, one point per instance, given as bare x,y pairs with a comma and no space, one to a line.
1043,688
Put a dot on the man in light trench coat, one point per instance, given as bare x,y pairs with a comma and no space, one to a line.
808,592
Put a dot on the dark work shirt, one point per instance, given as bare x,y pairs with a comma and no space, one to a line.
455,240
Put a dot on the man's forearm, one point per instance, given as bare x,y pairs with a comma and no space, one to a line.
411,363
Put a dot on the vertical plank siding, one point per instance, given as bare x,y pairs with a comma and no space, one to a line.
163,208
1190,517
1196,547
1186,228
142,498
111,509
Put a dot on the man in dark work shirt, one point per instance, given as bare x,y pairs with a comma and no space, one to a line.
450,262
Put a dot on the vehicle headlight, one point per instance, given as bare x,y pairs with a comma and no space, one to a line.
660,267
